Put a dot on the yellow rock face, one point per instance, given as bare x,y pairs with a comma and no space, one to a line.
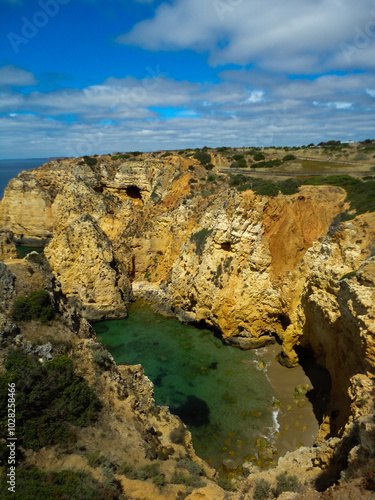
82,258
256,268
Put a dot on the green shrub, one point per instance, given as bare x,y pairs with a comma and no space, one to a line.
224,483
237,180
48,396
262,489
289,186
159,480
202,157
148,471
179,477
192,467
258,156
95,459
267,164
33,484
127,470
90,161
289,157
37,305
286,483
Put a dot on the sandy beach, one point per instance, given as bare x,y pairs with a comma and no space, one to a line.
298,425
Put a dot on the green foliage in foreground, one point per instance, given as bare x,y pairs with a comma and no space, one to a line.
361,193
33,484
37,305
262,489
48,396
286,483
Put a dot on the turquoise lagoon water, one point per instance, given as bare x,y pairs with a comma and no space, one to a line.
217,390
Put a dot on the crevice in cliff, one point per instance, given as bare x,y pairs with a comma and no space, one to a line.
134,192
319,395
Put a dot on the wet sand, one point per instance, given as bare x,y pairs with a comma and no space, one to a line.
298,425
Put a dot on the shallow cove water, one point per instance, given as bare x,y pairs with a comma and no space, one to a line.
217,390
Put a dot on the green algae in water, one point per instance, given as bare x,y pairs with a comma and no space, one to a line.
23,250
216,392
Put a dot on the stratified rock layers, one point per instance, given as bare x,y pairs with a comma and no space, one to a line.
258,269
82,258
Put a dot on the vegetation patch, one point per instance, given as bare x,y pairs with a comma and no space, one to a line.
179,477
35,484
88,160
286,482
262,489
48,397
36,305
203,157
361,195
200,238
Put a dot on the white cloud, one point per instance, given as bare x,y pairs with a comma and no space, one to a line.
15,77
245,107
295,36
255,96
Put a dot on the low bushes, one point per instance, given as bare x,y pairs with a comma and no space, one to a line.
35,484
36,305
48,397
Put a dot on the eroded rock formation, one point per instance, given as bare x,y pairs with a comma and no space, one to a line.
257,269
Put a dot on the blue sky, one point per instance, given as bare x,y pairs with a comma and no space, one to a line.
93,76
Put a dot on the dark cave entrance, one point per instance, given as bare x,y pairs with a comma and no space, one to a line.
134,192
320,379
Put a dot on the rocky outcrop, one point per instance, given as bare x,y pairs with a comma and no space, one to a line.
335,317
8,248
26,209
82,258
257,269
228,272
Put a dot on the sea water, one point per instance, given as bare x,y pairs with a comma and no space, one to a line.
219,392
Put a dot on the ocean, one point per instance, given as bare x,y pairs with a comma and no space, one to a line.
10,169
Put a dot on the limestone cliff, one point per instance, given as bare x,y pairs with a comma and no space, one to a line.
83,260
258,269
129,437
